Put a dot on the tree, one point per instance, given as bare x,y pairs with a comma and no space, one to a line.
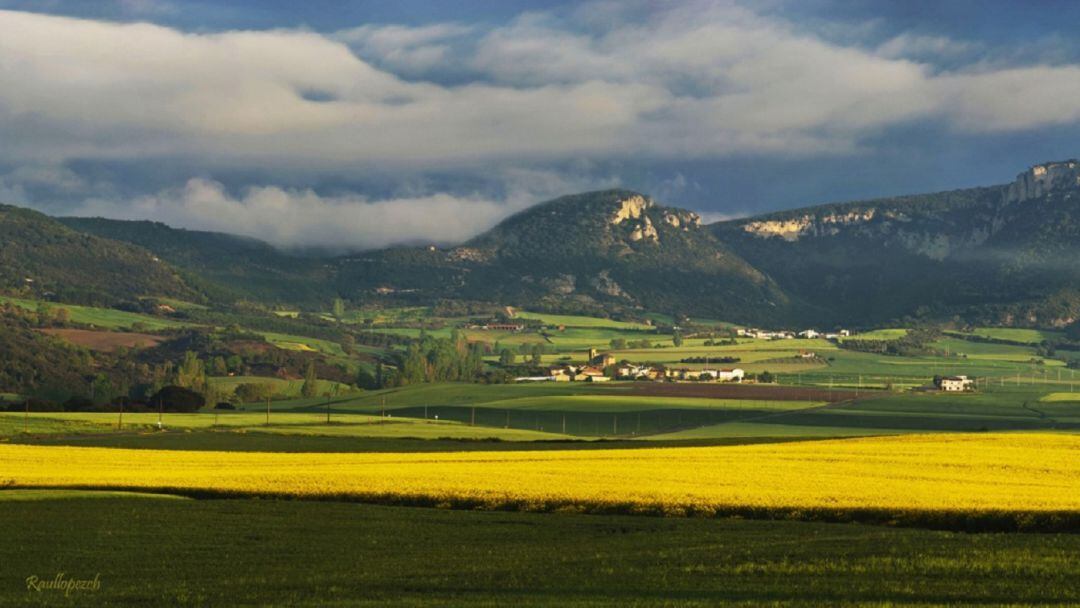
218,367
235,364
348,344
61,316
1072,332
191,374
177,399
618,344
507,357
380,375
339,308
311,382
414,367
252,392
677,339
537,355
101,389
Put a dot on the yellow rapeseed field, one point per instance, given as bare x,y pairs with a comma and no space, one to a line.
954,473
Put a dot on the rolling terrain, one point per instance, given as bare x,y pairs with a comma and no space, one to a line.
996,255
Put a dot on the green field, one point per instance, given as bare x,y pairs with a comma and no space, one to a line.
578,321
284,424
104,318
288,389
149,551
1026,336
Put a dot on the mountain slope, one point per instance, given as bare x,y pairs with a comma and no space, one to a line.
982,252
595,252
226,266
42,257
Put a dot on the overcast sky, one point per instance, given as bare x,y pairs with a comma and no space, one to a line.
357,124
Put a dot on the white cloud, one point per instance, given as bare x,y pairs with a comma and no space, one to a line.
915,46
711,217
688,81
302,218
614,81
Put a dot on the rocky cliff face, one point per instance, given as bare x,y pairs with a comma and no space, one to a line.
1041,179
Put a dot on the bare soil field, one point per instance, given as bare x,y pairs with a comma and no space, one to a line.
105,341
743,391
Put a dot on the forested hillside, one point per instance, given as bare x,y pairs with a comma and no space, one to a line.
226,266
599,252
41,257
1004,255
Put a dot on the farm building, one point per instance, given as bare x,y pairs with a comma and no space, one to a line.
601,360
734,374
954,384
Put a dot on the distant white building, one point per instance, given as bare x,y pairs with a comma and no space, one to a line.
734,374
954,384
809,334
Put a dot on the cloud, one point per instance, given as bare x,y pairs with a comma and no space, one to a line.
686,82
712,217
916,46
608,82
290,217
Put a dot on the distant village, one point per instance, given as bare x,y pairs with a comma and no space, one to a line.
603,367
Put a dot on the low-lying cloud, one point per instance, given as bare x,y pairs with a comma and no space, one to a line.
302,218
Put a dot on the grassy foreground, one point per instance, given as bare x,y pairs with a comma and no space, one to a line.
294,553
976,482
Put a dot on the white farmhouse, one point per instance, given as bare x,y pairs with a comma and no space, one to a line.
731,375
955,384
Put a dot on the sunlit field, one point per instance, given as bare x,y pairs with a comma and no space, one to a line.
994,480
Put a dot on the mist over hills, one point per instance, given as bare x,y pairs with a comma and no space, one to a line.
1007,254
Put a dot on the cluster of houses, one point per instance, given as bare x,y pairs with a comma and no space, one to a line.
808,334
595,371
514,327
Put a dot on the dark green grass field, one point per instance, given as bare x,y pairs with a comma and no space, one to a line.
178,552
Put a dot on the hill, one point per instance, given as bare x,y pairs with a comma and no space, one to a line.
1004,254
999,255
41,257
598,252
226,266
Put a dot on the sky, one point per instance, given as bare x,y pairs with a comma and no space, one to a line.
357,124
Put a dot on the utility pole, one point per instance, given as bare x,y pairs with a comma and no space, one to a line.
564,424
615,425
382,410
26,417
472,416
328,408
268,410
120,423
160,411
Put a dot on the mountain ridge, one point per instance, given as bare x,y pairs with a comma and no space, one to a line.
1003,253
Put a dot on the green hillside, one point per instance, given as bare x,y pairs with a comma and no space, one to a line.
599,252
41,257
226,266
988,255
